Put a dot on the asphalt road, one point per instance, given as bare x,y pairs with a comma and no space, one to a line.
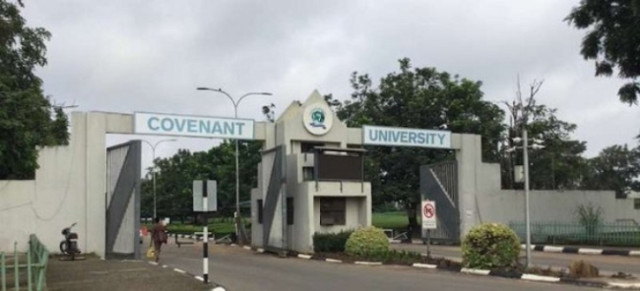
238,269
608,264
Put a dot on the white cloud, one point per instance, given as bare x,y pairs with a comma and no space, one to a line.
136,55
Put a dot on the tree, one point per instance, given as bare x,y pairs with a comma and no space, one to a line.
615,168
416,98
175,175
559,165
613,40
25,113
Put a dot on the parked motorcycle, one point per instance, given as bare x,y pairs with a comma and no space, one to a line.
69,246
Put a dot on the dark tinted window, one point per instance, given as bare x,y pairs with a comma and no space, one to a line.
307,147
332,210
289,210
339,167
259,210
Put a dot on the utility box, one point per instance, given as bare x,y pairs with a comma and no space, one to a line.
518,174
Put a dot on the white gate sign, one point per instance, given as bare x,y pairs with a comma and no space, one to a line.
411,137
196,126
428,214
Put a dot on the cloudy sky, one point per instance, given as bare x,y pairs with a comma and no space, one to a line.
126,56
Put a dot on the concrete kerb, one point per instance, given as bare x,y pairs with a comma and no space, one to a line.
582,251
199,278
480,272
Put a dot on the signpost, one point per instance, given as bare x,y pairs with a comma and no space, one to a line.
205,197
429,222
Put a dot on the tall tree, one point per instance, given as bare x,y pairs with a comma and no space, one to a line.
417,98
175,175
615,168
27,118
613,40
558,164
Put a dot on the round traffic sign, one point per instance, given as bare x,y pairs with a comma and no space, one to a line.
428,210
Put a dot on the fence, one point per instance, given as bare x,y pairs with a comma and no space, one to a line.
37,257
621,233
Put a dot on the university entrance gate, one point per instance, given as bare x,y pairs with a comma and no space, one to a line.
123,201
439,183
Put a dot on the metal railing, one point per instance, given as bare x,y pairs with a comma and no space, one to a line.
36,258
620,233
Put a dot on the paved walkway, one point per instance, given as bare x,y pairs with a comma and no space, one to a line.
99,275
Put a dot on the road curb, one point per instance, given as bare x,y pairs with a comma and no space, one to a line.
199,278
582,251
365,263
481,272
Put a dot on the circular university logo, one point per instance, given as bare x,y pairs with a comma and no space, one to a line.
317,119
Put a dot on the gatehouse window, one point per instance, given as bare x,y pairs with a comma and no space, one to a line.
289,210
332,210
259,210
307,173
307,147
636,203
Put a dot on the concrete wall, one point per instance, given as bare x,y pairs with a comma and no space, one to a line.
300,234
481,198
547,206
69,187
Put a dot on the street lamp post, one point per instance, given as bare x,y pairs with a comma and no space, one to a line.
235,107
525,160
153,153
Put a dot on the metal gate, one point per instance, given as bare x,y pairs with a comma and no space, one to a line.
123,201
439,182
275,207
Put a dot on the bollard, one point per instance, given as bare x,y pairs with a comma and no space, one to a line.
29,287
15,265
3,269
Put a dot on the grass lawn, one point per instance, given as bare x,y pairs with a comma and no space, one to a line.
391,220
216,225
385,220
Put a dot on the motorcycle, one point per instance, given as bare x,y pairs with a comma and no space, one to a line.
69,246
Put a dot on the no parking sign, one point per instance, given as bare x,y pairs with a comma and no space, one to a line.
428,214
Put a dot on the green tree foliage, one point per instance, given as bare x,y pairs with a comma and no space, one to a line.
175,175
615,168
25,114
612,40
416,98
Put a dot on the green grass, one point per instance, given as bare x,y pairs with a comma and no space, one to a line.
391,220
217,226
385,220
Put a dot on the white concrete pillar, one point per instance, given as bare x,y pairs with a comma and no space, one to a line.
469,157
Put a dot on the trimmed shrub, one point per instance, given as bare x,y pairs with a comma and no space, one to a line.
330,242
367,242
490,246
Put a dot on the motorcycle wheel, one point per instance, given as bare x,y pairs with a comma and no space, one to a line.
73,250
63,247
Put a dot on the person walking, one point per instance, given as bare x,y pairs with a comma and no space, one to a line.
158,237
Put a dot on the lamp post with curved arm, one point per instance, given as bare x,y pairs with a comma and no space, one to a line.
153,152
235,107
